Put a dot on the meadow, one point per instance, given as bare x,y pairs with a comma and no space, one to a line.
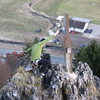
17,23
78,8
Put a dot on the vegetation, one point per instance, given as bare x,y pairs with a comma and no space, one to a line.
78,8
90,55
28,45
16,21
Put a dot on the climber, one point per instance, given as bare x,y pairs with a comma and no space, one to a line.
36,50
44,63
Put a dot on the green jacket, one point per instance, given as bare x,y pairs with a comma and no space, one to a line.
37,48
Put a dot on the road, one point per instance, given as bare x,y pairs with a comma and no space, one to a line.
54,59
57,53
57,60
5,51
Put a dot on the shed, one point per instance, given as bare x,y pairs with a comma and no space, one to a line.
59,18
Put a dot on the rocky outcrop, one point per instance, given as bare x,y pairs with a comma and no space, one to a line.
56,84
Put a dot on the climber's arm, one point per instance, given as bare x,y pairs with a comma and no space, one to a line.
58,32
50,37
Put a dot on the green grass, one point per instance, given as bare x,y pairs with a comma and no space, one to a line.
17,23
79,8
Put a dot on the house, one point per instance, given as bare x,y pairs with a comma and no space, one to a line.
75,24
78,24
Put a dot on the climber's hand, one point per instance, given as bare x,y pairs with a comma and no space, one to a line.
58,31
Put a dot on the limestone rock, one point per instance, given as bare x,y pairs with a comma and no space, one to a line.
56,84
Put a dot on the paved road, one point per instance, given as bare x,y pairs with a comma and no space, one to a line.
11,46
95,28
5,51
57,60
95,33
54,59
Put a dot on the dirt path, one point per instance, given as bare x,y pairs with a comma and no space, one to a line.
41,14
34,2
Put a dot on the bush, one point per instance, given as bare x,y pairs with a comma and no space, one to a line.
28,45
90,55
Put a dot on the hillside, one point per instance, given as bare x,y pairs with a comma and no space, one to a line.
79,8
17,23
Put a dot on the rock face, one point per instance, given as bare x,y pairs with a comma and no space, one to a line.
56,84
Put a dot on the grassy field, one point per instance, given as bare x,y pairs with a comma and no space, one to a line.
79,8
16,21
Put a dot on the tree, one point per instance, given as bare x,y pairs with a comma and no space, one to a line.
36,40
28,45
90,55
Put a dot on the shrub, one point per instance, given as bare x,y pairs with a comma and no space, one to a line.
28,45
90,55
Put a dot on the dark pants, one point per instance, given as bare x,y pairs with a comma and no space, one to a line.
44,65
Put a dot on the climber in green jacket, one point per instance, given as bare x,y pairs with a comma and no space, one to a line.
36,50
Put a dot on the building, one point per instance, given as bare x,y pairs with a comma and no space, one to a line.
75,24
78,24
